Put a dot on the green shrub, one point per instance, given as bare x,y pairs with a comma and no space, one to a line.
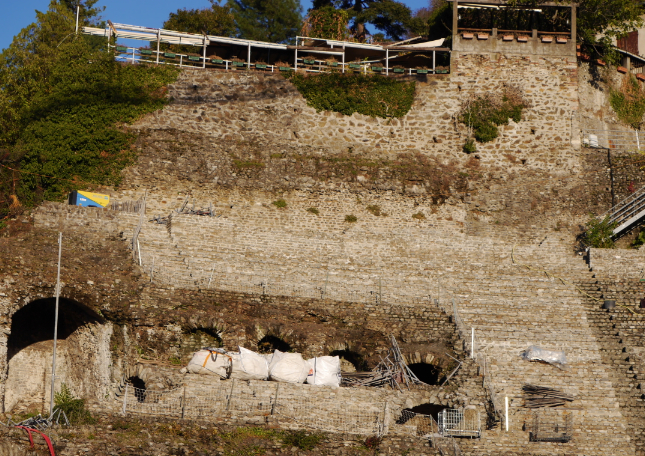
484,113
302,440
629,102
640,240
470,147
74,408
350,218
313,210
375,96
375,210
280,203
418,216
599,233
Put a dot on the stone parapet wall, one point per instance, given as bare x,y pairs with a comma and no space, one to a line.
264,108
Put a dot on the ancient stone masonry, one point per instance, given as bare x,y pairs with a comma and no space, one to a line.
325,234
268,110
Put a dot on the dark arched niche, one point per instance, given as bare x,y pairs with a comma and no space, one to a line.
34,322
427,373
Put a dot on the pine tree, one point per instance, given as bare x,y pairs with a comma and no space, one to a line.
276,21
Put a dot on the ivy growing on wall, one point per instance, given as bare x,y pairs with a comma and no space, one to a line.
374,96
628,101
482,114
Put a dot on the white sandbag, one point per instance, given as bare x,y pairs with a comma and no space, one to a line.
248,365
288,367
213,362
325,371
535,353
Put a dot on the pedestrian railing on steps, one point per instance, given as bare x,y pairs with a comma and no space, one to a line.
628,212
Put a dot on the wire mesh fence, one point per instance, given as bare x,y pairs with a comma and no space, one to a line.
626,140
325,415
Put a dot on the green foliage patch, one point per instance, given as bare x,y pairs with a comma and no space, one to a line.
64,102
599,233
280,203
484,113
374,96
629,102
350,218
73,407
302,439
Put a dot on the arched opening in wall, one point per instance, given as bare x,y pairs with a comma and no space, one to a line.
82,351
139,388
195,339
425,372
350,361
270,343
34,323
432,410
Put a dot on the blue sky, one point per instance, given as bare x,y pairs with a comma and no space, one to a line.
149,13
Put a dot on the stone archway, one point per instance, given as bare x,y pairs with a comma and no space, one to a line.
83,354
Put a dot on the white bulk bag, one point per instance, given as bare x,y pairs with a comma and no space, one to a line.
288,367
210,362
248,365
325,371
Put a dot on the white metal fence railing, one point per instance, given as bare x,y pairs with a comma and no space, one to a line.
630,141
460,423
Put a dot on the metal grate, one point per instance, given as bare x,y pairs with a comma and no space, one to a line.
552,428
460,423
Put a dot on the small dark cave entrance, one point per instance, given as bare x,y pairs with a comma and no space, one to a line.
355,358
427,373
424,409
34,322
139,388
269,344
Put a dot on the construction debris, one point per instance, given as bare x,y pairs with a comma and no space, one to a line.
392,370
539,396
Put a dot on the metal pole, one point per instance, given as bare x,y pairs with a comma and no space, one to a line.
60,248
380,294
506,420
248,57
387,61
434,70
343,64
125,398
211,277
158,40
295,61
204,57
472,344
132,56
78,9
139,251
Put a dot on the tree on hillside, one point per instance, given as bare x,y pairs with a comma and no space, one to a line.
88,14
276,21
600,21
62,104
393,17
216,20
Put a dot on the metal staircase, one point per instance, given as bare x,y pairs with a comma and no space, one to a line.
628,212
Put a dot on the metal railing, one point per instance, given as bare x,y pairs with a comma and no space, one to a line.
630,141
627,212
460,423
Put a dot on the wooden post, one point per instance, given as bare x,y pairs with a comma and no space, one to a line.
573,25
455,18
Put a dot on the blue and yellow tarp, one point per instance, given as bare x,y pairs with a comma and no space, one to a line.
88,199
